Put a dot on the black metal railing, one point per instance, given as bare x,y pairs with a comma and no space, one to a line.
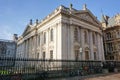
36,69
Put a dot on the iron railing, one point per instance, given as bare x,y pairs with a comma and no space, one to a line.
39,69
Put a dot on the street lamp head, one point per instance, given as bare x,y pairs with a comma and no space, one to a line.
80,49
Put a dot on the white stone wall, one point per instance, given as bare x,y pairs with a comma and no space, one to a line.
63,44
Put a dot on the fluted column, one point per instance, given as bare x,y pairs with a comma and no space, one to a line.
25,48
71,55
24,55
40,54
35,46
27,55
68,42
28,48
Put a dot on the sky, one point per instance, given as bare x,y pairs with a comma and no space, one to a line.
15,14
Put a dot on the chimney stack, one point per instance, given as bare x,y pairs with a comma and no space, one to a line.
30,21
15,37
36,21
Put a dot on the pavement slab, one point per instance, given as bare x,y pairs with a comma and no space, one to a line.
107,77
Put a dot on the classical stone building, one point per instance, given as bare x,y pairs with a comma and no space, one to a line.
7,49
66,34
111,37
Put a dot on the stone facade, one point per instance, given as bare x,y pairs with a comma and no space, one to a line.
66,34
7,50
112,37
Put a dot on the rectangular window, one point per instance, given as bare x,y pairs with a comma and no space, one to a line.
76,54
86,55
43,55
95,56
51,54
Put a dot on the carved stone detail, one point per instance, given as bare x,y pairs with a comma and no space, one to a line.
87,17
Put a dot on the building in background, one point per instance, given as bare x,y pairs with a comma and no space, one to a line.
65,34
111,37
8,48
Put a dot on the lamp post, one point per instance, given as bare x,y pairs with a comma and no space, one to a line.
80,50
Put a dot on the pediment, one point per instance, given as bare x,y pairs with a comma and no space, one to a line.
87,48
27,29
88,17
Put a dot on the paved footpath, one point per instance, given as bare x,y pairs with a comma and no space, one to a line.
107,77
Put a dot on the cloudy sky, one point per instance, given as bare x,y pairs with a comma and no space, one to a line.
15,14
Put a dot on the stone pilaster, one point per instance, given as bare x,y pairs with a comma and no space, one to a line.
69,40
82,44
27,49
36,40
71,54
102,49
99,46
91,46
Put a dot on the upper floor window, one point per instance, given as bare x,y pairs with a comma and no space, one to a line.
38,39
76,34
8,52
108,35
51,34
3,48
44,37
85,36
93,35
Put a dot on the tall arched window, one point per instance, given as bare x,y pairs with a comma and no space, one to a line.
44,37
51,34
39,40
85,36
76,34
93,38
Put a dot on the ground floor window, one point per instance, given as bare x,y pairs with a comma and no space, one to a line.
43,55
95,56
76,54
86,55
51,54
